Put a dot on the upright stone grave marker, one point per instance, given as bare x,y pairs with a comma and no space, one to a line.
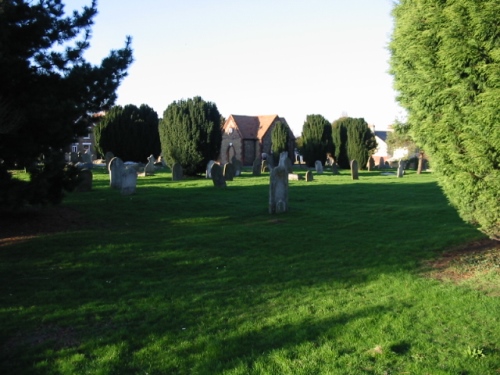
116,168
149,169
371,164
309,176
354,170
319,167
278,187
177,172
129,181
335,169
208,173
229,171
238,166
85,181
381,163
217,176
256,167
401,168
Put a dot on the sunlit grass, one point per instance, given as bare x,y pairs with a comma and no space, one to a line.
184,278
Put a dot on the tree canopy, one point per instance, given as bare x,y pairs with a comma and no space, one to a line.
129,132
190,134
353,140
316,139
48,91
445,58
280,139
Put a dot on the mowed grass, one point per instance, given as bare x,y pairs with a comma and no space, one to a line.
184,278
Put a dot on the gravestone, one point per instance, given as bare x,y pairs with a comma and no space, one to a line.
293,177
238,166
319,167
264,167
87,157
335,169
401,168
381,163
116,168
129,181
149,169
309,176
354,170
229,171
278,187
84,181
371,164
329,160
217,176
74,157
256,167
109,155
288,165
177,172
208,173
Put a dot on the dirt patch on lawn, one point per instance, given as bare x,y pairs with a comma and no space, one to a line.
475,262
30,223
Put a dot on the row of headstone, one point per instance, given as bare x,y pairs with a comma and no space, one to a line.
278,187
121,177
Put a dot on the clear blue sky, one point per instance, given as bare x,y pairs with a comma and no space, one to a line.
254,57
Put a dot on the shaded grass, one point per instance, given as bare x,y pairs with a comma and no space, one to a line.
183,278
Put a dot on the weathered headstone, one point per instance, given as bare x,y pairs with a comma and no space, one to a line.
116,168
371,164
149,169
319,167
381,163
229,171
74,157
87,157
329,160
278,187
309,176
84,181
177,172
256,167
293,177
354,170
401,168
217,176
208,173
109,155
238,166
264,167
129,181
335,169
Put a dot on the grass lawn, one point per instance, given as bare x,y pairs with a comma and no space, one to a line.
184,278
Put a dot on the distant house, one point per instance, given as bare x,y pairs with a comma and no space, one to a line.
86,143
382,147
248,137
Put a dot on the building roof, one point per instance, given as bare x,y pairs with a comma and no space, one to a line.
381,134
254,127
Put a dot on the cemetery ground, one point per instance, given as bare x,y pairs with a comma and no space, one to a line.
375,276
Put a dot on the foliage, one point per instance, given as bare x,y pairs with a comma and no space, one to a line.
280,138
129,132
182,278
445,58
316,139
353,139
190,134
401,137
47,89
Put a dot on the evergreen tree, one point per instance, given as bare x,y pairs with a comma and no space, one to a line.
361,141
48,92
129,132
445,58
190,134
316,139
280,138
353,140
